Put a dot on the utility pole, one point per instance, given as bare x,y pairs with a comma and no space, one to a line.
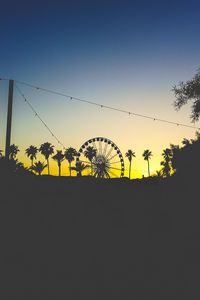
9,118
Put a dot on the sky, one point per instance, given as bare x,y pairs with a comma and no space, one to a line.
126,54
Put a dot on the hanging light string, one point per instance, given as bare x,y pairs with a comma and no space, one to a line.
38,116
105,106
4,79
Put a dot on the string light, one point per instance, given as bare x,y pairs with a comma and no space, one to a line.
4,79
105,106
38,116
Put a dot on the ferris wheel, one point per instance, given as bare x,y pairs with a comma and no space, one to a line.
101,158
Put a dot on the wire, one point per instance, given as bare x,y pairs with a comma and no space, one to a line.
106,106
38,116
4,79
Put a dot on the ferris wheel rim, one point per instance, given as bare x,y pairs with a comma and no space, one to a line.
103,155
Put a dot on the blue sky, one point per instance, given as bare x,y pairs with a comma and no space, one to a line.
36,37
123,53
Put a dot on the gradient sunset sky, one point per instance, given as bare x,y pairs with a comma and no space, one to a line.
126,54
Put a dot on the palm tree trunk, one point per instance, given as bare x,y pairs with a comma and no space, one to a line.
91,168
32,163
130,170
70,171
59,170
148,168
48,166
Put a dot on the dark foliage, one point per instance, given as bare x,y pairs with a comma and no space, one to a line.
12,166
186,160
189,91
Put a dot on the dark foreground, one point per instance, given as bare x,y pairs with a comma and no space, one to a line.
88,239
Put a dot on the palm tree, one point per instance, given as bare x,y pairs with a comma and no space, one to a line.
46,149
31,153
59,157
70,154
13,150
197,133
79,168
1,155
159,173
186,142
38,167
12,166
176,150
90,153
147,154
9,166
130,154
166,163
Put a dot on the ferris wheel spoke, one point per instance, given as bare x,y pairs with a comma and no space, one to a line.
115,162
104,150
112,173
100,147
115,168
113,156
109,152
107,175
94,145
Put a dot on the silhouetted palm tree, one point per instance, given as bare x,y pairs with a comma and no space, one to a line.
166,163
90,153
59,157
197,133
46,149
159,173
175,153
101,172
130,154
70,154
10,166
38,167
186,142
147,154
1,155
31,153
13,150
79,168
